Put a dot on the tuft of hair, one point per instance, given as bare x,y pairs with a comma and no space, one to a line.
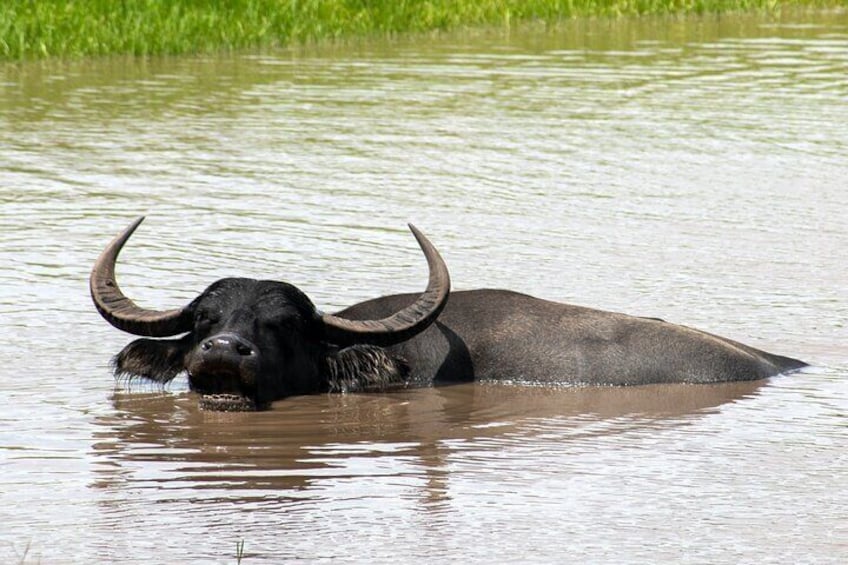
366,368
154,360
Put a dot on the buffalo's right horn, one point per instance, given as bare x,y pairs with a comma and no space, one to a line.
122,312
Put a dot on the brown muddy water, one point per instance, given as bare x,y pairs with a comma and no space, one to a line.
690,169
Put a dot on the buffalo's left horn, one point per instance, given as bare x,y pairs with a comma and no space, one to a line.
122,312
406,323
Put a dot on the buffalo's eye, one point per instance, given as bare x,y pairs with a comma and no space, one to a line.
206,317
276,320
273,325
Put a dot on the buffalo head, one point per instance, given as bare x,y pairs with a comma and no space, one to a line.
246,342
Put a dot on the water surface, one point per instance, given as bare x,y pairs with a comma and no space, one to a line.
691,169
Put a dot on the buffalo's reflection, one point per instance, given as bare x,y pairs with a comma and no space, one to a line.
163,438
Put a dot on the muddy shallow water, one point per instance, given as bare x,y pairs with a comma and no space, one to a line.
688,169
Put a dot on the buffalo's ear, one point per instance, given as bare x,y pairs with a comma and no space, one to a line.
159,360
365,368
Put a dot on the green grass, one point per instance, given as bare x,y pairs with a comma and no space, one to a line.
76,28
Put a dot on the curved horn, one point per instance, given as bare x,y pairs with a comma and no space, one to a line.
406,323
122,312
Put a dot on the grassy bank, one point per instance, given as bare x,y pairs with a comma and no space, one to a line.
73,28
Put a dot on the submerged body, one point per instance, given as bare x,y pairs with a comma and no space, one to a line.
502,335
245,343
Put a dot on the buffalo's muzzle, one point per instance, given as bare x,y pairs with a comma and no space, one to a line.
224,364
227,345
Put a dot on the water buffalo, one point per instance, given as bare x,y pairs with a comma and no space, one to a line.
246,342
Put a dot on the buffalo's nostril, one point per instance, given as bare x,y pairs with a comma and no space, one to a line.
243,349
228,344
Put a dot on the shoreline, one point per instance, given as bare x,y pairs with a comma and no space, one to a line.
96,28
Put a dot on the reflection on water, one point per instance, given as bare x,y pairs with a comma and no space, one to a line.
691,169
357,453
305,437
